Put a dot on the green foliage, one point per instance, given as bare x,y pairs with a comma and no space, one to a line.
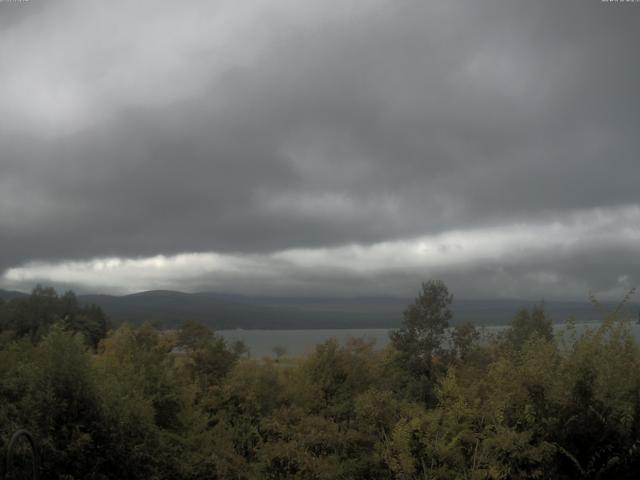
193,335
464,339
527,323
208,357
421,336
426,320
33,316
150,404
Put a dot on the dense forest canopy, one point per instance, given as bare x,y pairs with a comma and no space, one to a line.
32,316
437,403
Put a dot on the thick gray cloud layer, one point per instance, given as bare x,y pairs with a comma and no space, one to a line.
252,128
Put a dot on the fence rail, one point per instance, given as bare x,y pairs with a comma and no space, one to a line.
8,455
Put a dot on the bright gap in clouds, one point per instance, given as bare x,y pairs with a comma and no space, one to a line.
499,254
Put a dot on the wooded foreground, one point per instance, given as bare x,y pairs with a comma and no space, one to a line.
437,403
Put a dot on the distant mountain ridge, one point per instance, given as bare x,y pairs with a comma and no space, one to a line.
11,294
229,311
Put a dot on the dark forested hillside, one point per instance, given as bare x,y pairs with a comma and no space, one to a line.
221,311
11,294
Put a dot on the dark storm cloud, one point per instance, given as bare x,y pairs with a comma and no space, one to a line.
161,129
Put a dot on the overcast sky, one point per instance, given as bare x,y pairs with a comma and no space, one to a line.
321,148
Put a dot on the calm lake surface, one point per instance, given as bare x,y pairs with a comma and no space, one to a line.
299,342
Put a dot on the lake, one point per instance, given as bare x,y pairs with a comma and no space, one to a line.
300,342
